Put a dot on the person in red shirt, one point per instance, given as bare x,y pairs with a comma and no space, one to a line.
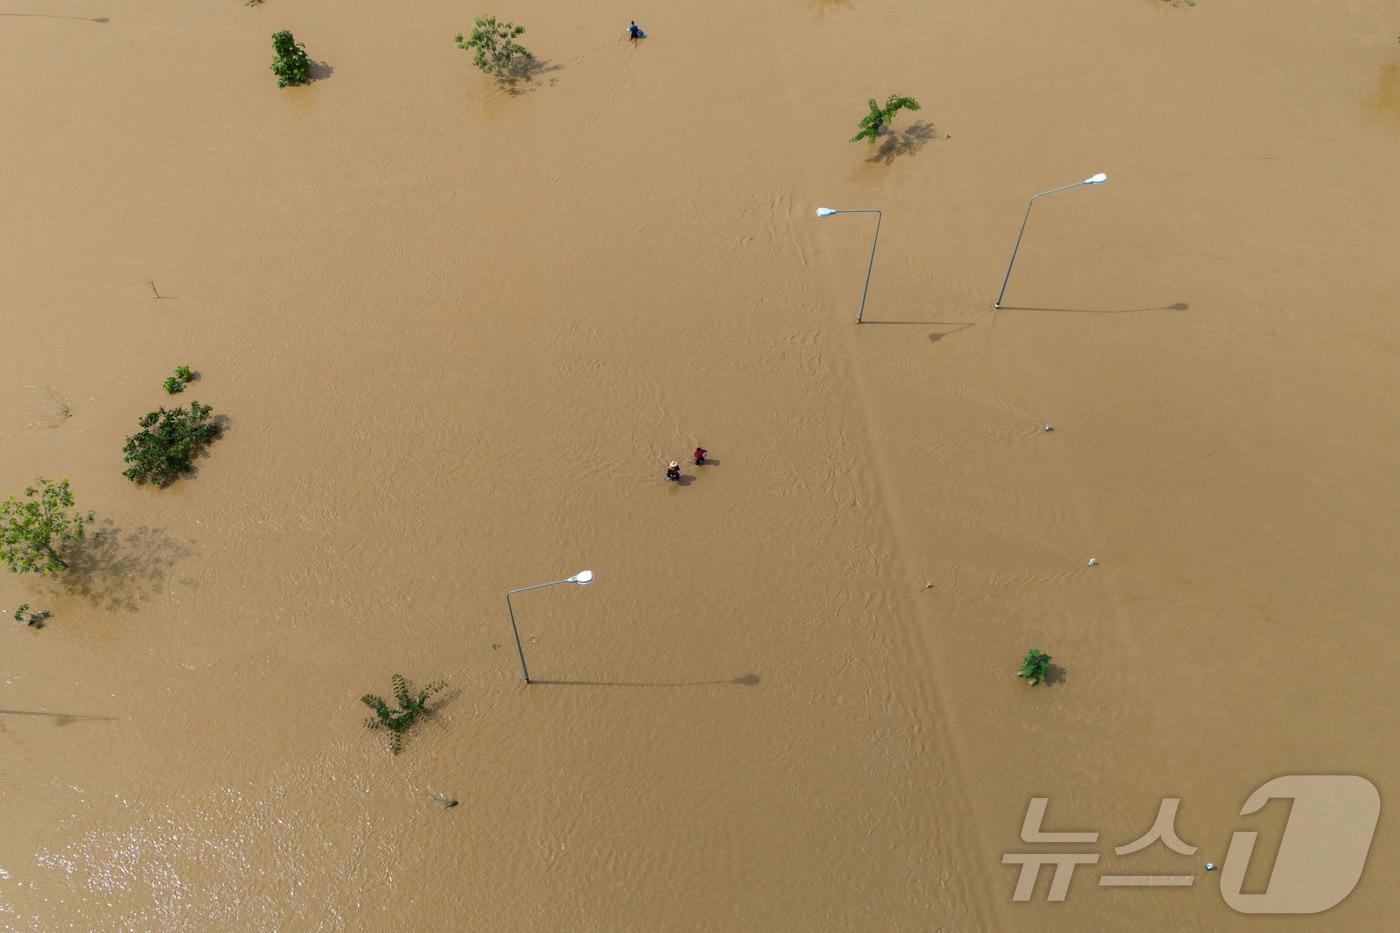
699,455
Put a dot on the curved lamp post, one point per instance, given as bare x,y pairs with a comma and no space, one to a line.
1098,179
827,212
582,578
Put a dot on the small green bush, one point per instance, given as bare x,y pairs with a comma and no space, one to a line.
875,122
493,44
168,441
399,721
32,619
1034,666
37,530
176,383
290,64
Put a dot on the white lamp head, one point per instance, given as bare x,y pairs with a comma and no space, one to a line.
826,211
583,577
1098,179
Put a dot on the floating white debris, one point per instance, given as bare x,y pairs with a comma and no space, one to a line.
1093,562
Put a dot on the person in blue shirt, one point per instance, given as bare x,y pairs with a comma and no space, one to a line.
635,31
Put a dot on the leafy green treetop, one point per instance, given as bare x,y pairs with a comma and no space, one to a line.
1034,666
874,122
493,44
291,66
36,531
176,383
168,440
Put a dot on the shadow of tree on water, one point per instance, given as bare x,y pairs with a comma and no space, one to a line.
905,142
117,568
522,76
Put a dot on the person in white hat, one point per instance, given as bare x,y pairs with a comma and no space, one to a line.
673,472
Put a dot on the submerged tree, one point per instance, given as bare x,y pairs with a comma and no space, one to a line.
176,383
1034,666
875,122
290,64
399,721
169,439
31,618
493,44
36,531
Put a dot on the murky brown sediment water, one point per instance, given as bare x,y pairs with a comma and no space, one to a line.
458,332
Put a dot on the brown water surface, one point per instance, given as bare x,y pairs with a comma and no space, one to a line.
458,329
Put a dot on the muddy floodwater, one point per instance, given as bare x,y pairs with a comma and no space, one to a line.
457,329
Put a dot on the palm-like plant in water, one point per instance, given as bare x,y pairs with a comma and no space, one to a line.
1034,666
410,707
874,122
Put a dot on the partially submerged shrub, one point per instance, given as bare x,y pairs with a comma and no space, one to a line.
36,531
875,122
399,721
169,439
291,66
176,383
1034,666
32,619
493,44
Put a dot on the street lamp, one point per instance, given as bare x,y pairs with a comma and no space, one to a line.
827,212
582,578
1098,179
